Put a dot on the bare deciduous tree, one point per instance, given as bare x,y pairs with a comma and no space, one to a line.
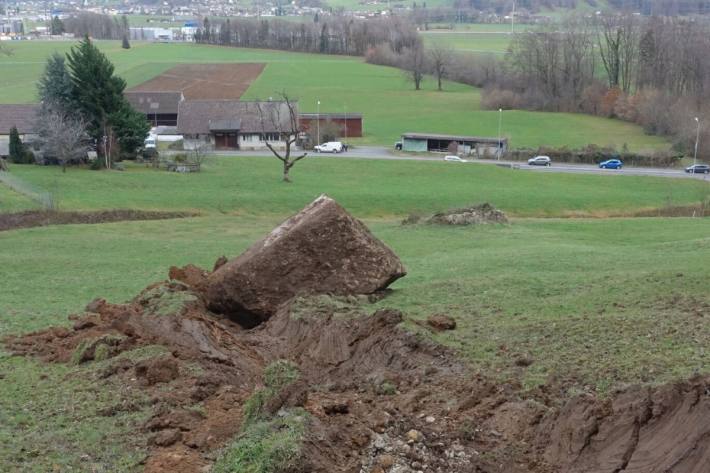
63,137
618,48
414,65
282,118
440,58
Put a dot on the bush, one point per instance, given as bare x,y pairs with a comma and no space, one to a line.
595,154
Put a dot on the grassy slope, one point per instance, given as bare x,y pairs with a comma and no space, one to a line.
598,301
602,301
389,105
369,188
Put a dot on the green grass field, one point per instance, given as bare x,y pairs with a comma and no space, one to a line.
594,302
389,104
370,188
470,42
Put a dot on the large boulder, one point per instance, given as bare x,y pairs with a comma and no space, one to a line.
320,250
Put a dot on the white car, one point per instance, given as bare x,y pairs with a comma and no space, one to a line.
329,147
150,142
454,159
540,161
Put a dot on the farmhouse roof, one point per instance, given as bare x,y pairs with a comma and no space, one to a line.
204,116
154,102
24,117
331,116
436,136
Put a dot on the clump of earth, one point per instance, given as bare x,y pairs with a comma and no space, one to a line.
370,396
475,215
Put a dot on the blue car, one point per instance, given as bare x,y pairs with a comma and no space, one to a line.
611,164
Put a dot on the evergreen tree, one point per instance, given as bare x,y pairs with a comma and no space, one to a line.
57,26
98,95
17,149
125,44
130,127
55,86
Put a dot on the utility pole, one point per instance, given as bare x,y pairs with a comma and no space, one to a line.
512,20
697,138
345,121
500,124
318,124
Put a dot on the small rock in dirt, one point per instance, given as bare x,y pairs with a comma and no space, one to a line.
157,370
414,436
429,419
385,461
441,322
336,408
165,438
320,250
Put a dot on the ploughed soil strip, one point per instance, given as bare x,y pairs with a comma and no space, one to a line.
205,81
379,398
41,218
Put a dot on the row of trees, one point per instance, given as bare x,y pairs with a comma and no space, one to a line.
96,25
654,72
82,105
334,35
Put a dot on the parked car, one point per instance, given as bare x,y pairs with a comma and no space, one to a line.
398,146
611,164
698,169
150,142
329,147
454,159
540,161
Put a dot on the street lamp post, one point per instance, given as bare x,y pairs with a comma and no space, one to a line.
500,124
318,125
697,138
345,121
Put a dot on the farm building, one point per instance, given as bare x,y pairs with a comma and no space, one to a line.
349,125
232,124
160,108
480,146
23,117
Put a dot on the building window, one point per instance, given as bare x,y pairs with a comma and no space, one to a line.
269,137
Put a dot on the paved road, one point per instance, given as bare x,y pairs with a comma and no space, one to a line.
374,152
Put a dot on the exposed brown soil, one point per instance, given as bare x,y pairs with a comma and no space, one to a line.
380,399
377,395
205,81
41,218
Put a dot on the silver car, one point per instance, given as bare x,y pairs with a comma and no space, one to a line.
540,161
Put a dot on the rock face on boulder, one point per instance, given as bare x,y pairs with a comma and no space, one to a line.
320,250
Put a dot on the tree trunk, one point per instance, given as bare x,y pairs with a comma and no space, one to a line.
287,168
438,78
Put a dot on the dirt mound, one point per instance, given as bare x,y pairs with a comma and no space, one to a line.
641,429
320,250
377,398
41,218
476,215
326,387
